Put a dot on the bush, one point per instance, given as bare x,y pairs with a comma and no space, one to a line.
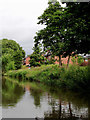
77,78
80,60
74,78
21,75
10,66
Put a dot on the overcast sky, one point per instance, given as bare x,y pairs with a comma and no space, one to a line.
18,20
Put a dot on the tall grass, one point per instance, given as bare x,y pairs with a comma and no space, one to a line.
75,78
19,74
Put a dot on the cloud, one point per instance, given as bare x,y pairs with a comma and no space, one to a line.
18,20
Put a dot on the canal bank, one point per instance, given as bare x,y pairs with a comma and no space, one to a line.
74,78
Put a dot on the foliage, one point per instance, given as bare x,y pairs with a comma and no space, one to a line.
78,25
6,58
80,60
10,66
73,59
12,55
21,75
36,58
74,78
66,29
50,35
77,78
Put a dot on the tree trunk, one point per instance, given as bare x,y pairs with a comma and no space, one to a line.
60,64
70,109
60,109
68,60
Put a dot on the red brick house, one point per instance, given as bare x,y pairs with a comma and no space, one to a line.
56,58
26,61
63,60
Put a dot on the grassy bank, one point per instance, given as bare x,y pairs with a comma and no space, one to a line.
74,78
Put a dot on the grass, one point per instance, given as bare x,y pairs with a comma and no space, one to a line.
75,78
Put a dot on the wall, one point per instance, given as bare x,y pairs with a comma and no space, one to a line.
27,60
64,60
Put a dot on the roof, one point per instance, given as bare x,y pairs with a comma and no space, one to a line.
84,56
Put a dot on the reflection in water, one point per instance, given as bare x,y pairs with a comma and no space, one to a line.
42,102
68,107
11,93
36,93
64,112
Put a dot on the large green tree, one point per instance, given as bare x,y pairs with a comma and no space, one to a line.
66,29
50,35
12,55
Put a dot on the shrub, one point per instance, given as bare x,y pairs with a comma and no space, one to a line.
74,78
10,66
73,59
80,60
21,75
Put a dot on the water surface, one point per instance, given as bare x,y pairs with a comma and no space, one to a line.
37,101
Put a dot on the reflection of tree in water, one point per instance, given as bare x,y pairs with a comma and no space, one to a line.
36,93
11,93
60,112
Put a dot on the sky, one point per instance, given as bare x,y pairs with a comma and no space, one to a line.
18,21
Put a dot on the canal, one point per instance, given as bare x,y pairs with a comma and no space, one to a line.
33,100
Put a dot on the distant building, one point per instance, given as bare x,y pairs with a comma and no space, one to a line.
63,60
47,55
26,61
56,58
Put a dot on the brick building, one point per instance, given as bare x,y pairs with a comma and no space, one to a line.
63,60
26,61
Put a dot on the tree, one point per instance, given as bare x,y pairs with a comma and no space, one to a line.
36,58
53,36
12,55
77,25
50,36
67,29
6,59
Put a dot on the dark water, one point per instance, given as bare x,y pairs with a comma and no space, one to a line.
37,101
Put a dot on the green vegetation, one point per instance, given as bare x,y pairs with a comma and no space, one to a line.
77,59
36,58
12,55
66,29
74,78
66,33
80,60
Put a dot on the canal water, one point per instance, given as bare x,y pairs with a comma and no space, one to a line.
38,101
